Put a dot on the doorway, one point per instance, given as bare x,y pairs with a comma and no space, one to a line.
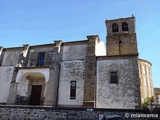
36,95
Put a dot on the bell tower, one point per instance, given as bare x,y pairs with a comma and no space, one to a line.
121,37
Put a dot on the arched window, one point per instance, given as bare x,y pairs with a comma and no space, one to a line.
124,26
114,27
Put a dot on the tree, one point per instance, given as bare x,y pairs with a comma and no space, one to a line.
147,102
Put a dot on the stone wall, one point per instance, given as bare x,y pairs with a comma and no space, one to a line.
11,56
121,42
1,55
125,94
6,74
90,72
157,95
130,21
35,50
25,79
74,51
145,75
50,113
71,71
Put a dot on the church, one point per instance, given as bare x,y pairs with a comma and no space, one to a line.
81,73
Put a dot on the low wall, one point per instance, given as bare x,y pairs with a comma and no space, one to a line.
55,113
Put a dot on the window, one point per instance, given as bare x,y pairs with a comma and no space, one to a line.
113,77
124,26
73,90
40,61
114,27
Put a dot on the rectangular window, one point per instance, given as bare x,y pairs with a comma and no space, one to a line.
41,57
73,90
113,77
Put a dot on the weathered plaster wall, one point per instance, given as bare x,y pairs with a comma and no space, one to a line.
26,72
11,57
6,74
28,77
71,71
126,93
72,52
33,54
100,48
23,87
52,87
42,48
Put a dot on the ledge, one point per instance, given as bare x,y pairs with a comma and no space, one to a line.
33,67
69,108
116,56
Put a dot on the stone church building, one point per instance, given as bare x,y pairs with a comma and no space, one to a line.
146,83
75,74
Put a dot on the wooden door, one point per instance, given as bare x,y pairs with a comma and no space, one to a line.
36,95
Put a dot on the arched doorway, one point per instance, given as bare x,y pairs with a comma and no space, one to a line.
31,87
36,88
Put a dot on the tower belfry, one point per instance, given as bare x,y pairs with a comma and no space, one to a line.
121,37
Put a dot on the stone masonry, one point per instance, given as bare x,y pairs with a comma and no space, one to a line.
80,73
49,113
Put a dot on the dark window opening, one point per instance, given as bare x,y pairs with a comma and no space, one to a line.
114,27
73,90
41,57
113,77
124,26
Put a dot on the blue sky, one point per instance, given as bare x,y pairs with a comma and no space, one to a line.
43,21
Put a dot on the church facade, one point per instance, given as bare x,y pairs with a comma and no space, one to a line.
75,74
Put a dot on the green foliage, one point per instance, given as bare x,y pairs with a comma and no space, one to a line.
147,101
145,106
